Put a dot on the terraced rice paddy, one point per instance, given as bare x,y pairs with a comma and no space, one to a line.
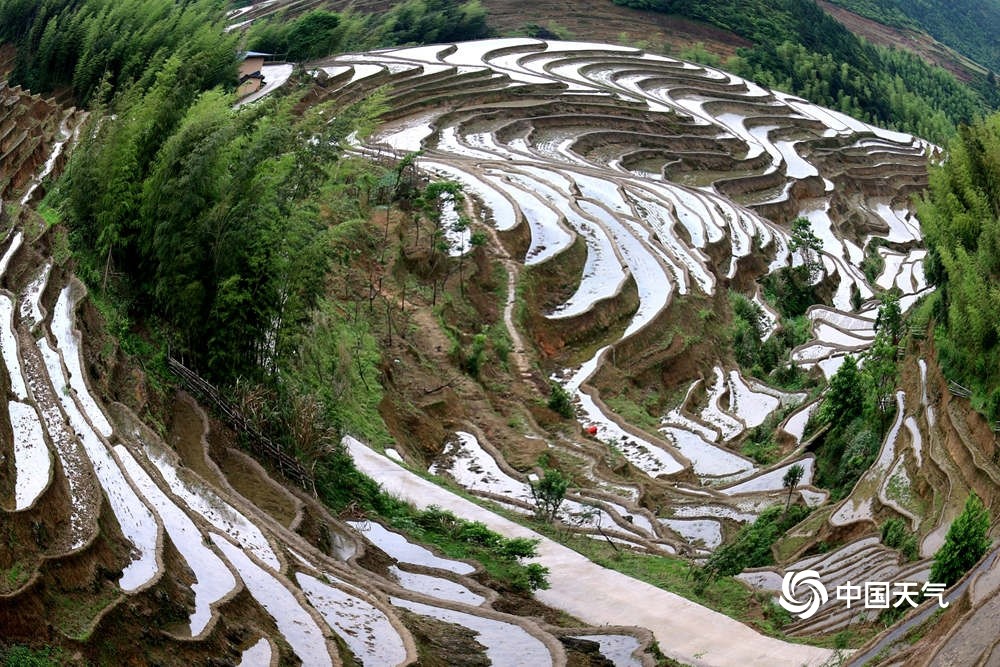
673,176
573,140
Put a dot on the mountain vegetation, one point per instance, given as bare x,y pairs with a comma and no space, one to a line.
321,33
961,220
250,241
801,49
106,45
968,26
859,406
966,542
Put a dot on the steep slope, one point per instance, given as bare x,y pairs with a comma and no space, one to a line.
626,194
120,548
907,38
603,164
965,26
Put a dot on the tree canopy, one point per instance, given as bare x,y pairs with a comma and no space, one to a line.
966,542
90,44
960,216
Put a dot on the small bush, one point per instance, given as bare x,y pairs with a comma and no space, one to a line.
893,533
966,542
752,546
560,401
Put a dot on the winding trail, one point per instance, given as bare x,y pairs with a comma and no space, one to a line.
684,630
513,269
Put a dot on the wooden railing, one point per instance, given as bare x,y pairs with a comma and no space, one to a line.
260,444
958,390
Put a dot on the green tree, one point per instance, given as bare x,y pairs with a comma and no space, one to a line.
560,401
805,242
966,542
889,318
844,399
879,378
791,479
752,545
961,218
549,493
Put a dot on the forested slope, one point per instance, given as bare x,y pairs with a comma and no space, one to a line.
556,322
968,26
961,217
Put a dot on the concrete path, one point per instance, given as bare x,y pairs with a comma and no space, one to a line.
596,595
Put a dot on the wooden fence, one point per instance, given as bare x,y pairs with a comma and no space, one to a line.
260,444
958,390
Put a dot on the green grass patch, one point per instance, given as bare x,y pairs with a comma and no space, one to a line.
797,536
50,215
632,412
457,538
23,656
74,613
724,594
14,577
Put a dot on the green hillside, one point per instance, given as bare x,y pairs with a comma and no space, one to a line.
968,26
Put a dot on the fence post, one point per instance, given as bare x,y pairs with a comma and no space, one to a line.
263,446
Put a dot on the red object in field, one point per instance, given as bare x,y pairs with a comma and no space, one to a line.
592,430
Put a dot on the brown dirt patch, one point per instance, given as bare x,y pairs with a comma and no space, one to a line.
250,481
185,433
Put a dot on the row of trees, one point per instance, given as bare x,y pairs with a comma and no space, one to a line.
99,47
217,218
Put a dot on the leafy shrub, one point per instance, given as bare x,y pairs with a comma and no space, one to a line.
560,401
966,542
548,493
893,533
312,35
22,656
752,546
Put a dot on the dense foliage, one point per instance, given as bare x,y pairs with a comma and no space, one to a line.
86,43
801,49
966,542
968,26
884,11
895,535
752,545
900,91
961,221
858,406
319,33
314,34
215,216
